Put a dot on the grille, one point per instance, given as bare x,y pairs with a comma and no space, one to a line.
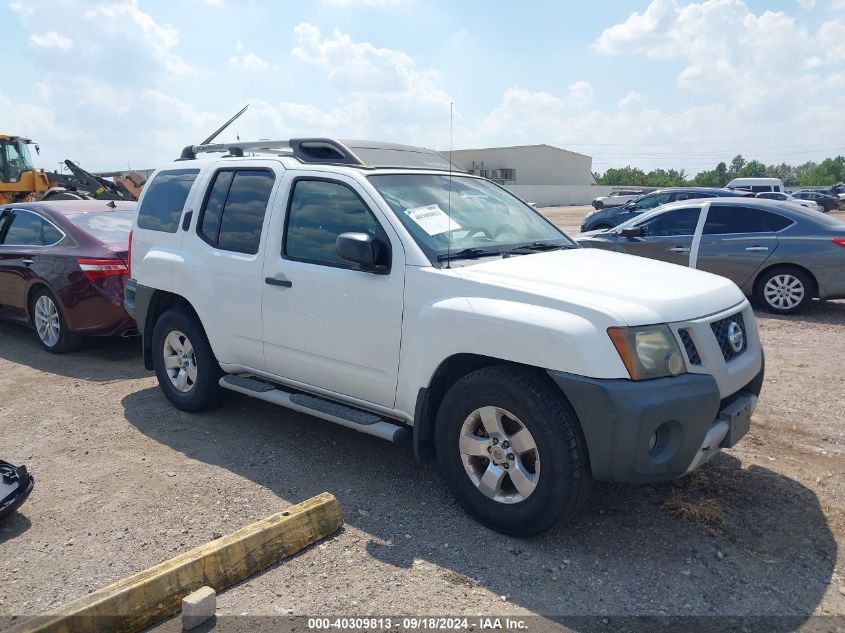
720,330
689,346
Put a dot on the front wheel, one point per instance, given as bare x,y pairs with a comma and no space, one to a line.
785,290
186,368
511,451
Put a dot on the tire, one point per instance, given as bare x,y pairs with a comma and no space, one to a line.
784,290
186,368
50,325
526,401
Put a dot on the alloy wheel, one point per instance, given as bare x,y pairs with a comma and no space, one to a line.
47,322
180,361
499,455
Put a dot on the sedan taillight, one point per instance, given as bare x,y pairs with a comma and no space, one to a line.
839,241
99,268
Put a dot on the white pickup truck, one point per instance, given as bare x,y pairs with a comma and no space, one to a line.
378,287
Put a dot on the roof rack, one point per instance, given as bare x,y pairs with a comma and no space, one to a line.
366,154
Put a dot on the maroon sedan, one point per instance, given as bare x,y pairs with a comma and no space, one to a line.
62,269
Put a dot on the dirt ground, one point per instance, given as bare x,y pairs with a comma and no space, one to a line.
124,481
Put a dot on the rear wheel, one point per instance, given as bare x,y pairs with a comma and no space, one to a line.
50,323
785,290
186,368
511,451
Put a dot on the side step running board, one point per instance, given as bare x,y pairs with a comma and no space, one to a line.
350,417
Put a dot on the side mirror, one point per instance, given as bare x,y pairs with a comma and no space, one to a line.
361,249
630,205
631,231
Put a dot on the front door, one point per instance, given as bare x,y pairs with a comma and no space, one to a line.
326,323
20,245
666,236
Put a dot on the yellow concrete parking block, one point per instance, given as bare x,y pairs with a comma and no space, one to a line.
139,601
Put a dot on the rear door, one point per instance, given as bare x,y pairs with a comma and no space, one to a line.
737,241
667,236
21,261
222,273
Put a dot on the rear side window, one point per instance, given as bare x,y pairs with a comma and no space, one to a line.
164,199
25,230
234,209
759,188
723,219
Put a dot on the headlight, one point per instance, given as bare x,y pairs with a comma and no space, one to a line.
649,351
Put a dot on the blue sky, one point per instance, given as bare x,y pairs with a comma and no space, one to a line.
661,83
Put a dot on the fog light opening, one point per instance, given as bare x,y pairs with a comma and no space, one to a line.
658,440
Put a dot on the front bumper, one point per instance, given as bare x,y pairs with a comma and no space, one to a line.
656,430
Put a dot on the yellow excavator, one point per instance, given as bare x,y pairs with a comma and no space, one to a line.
21,182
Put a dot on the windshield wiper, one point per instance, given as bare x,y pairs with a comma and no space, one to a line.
535,247
467,253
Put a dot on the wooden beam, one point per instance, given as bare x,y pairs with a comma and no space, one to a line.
134,603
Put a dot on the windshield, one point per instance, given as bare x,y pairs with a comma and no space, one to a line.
14,160
484,216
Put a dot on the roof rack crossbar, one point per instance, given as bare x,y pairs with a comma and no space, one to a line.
309,150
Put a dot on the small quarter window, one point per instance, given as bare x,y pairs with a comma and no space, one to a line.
164,199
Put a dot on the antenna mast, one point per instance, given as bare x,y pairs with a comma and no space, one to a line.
449,199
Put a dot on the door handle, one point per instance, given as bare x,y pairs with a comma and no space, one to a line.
28,262
278,282
679,249
757,248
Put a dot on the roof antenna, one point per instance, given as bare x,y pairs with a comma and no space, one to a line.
449,199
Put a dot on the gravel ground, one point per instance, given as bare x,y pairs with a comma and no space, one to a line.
125,481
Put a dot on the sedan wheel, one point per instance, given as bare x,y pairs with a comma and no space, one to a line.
499,455
47,322
785,290
180,361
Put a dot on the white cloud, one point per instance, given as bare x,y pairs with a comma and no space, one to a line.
363,3
807,5
249,61
580,94
51,39
832,39
631,101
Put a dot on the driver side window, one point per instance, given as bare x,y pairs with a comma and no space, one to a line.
672,224
318,212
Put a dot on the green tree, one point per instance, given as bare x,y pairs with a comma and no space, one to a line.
721,174
737,164
752,169
709,178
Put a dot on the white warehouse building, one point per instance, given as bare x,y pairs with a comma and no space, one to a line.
542,174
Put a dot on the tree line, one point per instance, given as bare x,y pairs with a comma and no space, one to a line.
828,172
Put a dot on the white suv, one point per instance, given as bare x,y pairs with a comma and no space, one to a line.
375,286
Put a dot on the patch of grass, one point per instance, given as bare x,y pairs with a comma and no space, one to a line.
706,514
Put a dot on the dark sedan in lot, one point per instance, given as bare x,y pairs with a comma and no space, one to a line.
62,269
609,217
827,201
781,254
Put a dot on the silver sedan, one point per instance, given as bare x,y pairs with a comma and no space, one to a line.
778,253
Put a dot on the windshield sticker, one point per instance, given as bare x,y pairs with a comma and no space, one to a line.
432,219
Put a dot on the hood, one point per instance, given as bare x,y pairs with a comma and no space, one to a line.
633,290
